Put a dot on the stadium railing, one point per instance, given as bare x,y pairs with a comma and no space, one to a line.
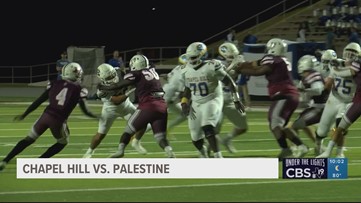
159,55
43,72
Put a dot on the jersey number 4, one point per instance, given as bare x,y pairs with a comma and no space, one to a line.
61,96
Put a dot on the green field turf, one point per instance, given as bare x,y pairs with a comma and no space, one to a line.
257,142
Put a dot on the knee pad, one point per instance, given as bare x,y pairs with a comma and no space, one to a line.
33,135
208,130
130,130
29,140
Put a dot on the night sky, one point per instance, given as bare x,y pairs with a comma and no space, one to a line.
35,32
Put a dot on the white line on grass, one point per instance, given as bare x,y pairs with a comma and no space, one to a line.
174,186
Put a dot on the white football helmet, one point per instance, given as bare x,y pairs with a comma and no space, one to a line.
195,52
305,63
182,59
351,51
326,58
107,74
276,46
72,71
228,51
139,62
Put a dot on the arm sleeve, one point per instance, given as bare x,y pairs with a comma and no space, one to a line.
84,108
42,98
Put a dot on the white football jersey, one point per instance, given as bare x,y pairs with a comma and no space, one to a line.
204,81
343,88
111,107
174,84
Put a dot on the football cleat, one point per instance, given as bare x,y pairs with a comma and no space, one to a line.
138,147
229,146
301,151
341,155
203,153
169,152
88,155
118,154
325,154
319,150
218,154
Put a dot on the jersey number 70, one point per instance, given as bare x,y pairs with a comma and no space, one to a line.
202,88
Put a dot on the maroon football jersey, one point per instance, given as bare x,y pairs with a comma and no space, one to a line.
356,66
148,89
63,97
279,79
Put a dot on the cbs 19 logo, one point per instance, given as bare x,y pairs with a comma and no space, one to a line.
304,173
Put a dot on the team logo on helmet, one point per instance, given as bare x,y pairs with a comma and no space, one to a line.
223,49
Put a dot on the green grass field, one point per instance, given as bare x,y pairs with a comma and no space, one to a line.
257,142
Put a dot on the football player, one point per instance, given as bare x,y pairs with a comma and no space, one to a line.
172,91
283,93
63,96
152,107
229,51
341,96
115,104
312,84
202,81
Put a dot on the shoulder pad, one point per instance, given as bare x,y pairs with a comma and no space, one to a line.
83,92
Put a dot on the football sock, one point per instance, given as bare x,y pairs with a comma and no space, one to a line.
121,147
282,142
54,149
163,143
125,138
339,150
330,145
20,146
213,143
199,144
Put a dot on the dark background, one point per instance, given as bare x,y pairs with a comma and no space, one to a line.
36,32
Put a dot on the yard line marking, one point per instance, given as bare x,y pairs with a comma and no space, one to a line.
108,151
122,127
173,186
152,142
